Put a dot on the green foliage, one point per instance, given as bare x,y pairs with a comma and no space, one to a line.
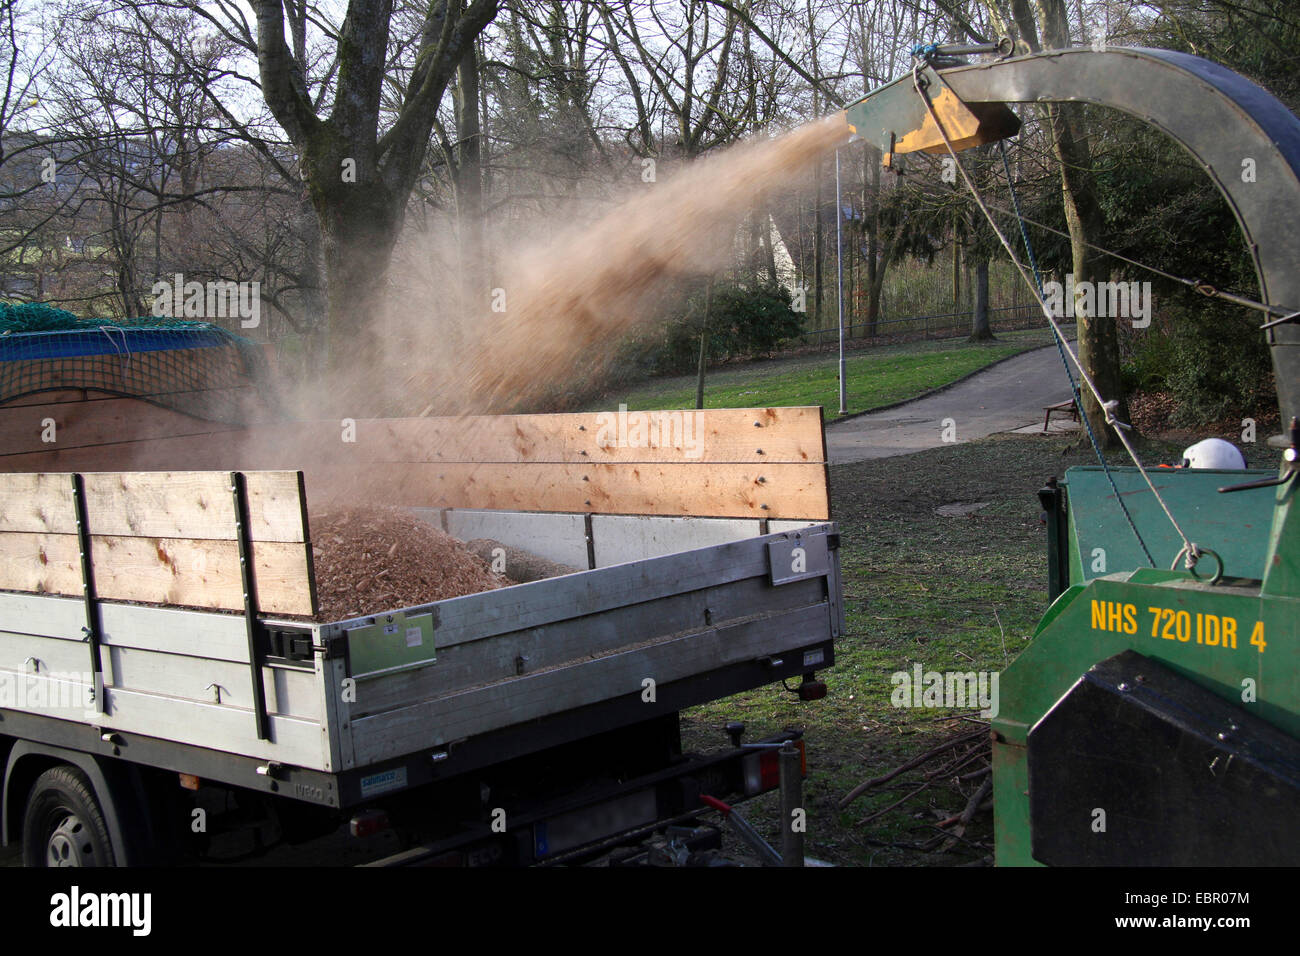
1219,364
1148,356
1256,38
1213,359
742,321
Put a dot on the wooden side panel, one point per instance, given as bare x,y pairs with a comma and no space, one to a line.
180,571
726,463
211,450
194,504
166,538
709,435
29,428
714,490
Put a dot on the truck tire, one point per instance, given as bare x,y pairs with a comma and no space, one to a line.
62,822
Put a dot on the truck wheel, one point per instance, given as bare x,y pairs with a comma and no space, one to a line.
63,825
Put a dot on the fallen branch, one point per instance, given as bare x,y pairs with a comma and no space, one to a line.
976,753
968,814
893,806
912,764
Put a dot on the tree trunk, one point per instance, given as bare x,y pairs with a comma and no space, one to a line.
359,181
981,330
956,276
315,302
1098,339
358,232
888,244
469,184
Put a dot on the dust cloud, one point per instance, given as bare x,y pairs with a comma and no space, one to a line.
571,291
565,295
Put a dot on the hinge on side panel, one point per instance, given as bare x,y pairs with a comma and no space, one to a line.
833,541
334,648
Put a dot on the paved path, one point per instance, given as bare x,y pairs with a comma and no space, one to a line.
1007,397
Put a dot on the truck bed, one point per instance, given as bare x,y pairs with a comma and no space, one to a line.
710,567
375,704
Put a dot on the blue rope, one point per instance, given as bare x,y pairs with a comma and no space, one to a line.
1060,348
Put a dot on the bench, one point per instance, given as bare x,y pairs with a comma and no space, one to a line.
1067,406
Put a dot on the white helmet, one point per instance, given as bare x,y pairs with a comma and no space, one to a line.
1214,453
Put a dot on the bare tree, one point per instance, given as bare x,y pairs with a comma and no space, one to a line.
359,163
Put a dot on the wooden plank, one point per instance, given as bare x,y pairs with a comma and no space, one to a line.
110,421
709,435
723,467
193,504
211,450
37,502
691,489
716,490
177,571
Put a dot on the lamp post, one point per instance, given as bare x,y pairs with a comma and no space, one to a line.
839,270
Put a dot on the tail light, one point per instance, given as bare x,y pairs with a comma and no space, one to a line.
368,823
762,768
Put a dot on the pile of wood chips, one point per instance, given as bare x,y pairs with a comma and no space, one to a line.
376,559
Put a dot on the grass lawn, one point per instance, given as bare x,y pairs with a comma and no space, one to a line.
876,377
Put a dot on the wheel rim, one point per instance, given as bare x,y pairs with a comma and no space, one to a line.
69,844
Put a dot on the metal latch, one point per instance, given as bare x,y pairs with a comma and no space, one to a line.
797,556
288,645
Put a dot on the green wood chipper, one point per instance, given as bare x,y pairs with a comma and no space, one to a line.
1154,717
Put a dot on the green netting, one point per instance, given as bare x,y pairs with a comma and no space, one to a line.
194,367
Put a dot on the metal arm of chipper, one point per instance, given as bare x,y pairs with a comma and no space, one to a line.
1221,118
